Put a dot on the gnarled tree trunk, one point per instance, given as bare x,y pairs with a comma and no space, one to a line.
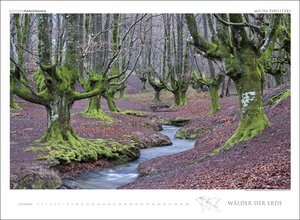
157,95
179,96
109,95
214,98
58,119
249,85
93,107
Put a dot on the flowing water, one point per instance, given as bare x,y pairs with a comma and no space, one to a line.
116,176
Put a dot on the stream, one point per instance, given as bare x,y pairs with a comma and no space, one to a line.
116,176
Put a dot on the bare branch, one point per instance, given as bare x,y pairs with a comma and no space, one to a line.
244,24
161,80
114,58
271,33
22,72
126,77
21,47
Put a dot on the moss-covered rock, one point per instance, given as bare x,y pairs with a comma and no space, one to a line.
158,106
187,133
39,180
84,150
152,139
146,171
69,183
135,113
180,121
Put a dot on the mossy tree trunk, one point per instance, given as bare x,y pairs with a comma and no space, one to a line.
122,93
110,99
157,86
214,85
157,96
123,67
58,119
57,93
111,103
248,76
22,40
94,105
179,73
244,65
94,108
109,95
144,82
214,98
179,96
90,71
214,82
249,88
144,88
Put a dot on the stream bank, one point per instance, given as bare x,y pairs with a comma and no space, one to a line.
115,176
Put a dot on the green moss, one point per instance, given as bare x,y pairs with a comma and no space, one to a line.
39,79
180,121
14,105
62,78
84,150
249,126
99,114
188,133
275,100
94,76
122,94
213,50
135,113
249,87
109,96
67,77
214,99
179,97
85,84
39,180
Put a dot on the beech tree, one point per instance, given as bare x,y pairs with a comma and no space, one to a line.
244,58
176,68
22,30
56,91
91,78
108,70
109,94
146,74
214,81
279,62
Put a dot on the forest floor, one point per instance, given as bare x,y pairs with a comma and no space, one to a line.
262,162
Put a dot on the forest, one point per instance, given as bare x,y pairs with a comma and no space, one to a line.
150,101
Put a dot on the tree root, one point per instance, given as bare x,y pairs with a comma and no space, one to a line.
244,132
14,105
84,150
275,100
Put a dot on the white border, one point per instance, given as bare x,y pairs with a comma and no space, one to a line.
132,204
